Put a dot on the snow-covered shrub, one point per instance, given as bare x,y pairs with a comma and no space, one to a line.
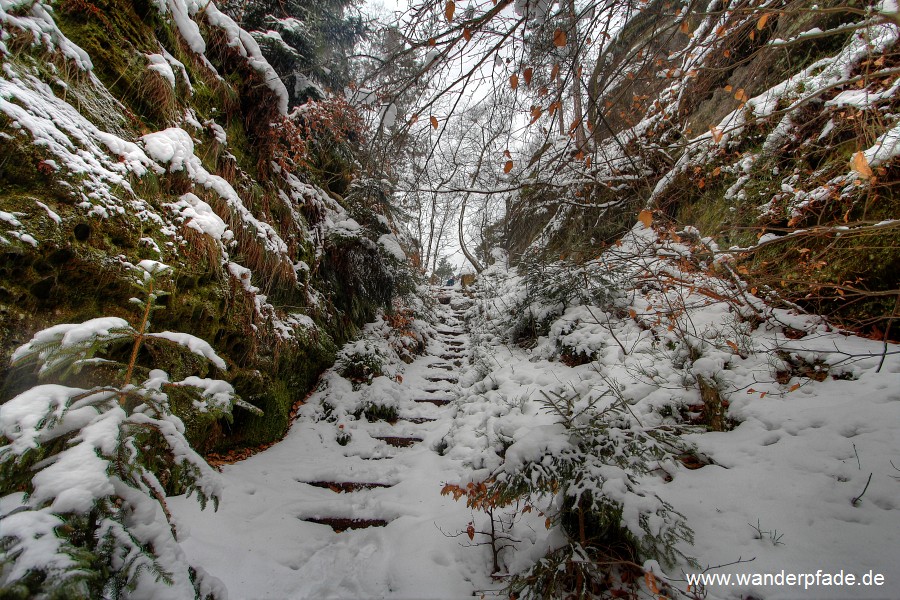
84,471
360,362
552,287
592,461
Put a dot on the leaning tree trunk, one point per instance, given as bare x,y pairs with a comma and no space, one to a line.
462,241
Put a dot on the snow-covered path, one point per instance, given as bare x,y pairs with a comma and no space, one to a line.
264,542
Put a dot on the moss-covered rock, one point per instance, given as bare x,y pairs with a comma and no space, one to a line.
66,259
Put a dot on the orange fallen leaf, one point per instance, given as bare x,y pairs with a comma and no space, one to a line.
513,81
646,217
559,38
434,122
507,166
449,9
467,34
861,165
762,21
527,75
651,582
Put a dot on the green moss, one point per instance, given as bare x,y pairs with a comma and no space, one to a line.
117,39
75,272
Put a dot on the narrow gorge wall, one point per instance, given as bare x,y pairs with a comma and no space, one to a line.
155,130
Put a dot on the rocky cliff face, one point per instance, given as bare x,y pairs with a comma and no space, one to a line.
769,129
135,130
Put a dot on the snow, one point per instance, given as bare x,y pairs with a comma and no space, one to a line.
172,146
53,216
390,243
886,147
194,344
269,551
791,462
199,216
73,334
79,476
175,147
61,130
216,393
387,115
159,64
348,227
35,18
801,451
247,46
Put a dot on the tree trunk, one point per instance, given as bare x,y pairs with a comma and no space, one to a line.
462,242
580,141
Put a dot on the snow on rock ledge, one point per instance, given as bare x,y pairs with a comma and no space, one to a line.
175,148
183,10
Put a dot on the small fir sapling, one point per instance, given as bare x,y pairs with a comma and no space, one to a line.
83,502
593,464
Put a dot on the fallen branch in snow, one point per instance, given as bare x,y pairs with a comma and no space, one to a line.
855,501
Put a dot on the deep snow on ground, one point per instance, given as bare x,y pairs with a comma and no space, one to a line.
813,417
258,542
779,492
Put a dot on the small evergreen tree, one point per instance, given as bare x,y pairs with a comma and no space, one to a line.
83,501
444,269
307,43
609,519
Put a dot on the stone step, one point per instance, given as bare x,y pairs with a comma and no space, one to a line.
399,442
447,378
418,420
346,487
341,524
435,401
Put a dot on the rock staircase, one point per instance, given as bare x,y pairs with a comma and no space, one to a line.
310,518
433,377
